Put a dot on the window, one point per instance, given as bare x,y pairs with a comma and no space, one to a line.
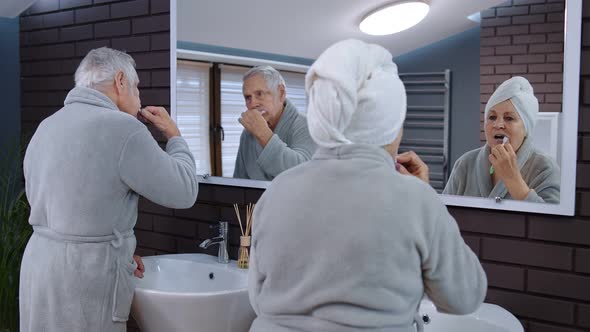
217,106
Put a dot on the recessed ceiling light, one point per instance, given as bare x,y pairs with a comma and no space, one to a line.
394,18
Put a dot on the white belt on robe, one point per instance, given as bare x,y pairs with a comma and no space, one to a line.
124,280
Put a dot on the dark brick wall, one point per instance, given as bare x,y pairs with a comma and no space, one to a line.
524,38
56,34
538,266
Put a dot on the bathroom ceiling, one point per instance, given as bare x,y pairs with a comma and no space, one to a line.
304,28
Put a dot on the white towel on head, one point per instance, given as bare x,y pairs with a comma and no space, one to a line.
355,96
520,92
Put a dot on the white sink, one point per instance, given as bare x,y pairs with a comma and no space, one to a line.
488,318
192,292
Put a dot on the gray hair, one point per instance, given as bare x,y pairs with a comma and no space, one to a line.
100,65
272,77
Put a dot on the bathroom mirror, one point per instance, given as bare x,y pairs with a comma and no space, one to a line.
221,35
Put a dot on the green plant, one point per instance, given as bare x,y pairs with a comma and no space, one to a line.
14,234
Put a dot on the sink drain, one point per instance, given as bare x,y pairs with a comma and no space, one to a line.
211,275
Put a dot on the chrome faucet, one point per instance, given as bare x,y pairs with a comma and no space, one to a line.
221,239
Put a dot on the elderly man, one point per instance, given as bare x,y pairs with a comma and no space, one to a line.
85,168
276,137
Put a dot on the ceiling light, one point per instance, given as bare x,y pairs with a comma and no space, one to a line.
394,18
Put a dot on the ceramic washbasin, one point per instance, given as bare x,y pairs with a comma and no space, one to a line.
192,292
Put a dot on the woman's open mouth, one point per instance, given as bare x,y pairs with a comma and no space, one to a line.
501,139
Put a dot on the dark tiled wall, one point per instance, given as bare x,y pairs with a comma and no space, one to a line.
524,37
56,34
538,266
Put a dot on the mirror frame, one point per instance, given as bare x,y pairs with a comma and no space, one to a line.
568,124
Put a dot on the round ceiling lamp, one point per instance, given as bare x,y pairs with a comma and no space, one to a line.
394,18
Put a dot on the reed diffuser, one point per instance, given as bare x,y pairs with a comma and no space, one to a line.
243,256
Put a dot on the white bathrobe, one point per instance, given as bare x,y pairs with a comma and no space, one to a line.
344,243
289,146
85,168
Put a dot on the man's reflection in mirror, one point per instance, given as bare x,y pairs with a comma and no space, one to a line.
508,165
275,136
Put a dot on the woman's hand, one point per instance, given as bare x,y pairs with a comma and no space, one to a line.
159,117
411,164
503,159
140,267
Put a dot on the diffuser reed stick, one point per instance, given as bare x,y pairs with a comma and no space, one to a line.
243,257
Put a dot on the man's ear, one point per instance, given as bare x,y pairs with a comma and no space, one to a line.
119,82
282,93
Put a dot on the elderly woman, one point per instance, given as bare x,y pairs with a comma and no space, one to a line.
344,242
85,168
508,166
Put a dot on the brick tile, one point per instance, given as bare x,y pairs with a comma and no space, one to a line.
200,211
43,6
159,6
584,119
547,27
488,222
529,58
556,37
253,195
555,98
487,88
31,22
556,17
559,284
145,222
46,36
153,60
550,107
144,79
487,13
585,63
531,306
494,22
511,11
555,58
473,242
493,79
583,203
66,4
48,83
132,44
160,78
155,96
155,241
151,24
543,327
512,30
495,60
585,11
112,29
548,88
175,226
528,19
530,39
554,78
222,194
147,206
527,253
191,246
487,32
585,33
58,19
485,51
582,178
546,48
75,33
82,48
93,14
526,2
47,52
582,262
160,41
494,41
548,8
583,314
129,9
144,252
104,1
507,50
545,68
228,214
511,69
504,276
36,114
559,229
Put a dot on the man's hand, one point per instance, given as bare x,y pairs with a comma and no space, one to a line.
140,267
411,164
256,125
159,117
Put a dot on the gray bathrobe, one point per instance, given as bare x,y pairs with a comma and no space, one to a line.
289,146
471,175
85,168
344,243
